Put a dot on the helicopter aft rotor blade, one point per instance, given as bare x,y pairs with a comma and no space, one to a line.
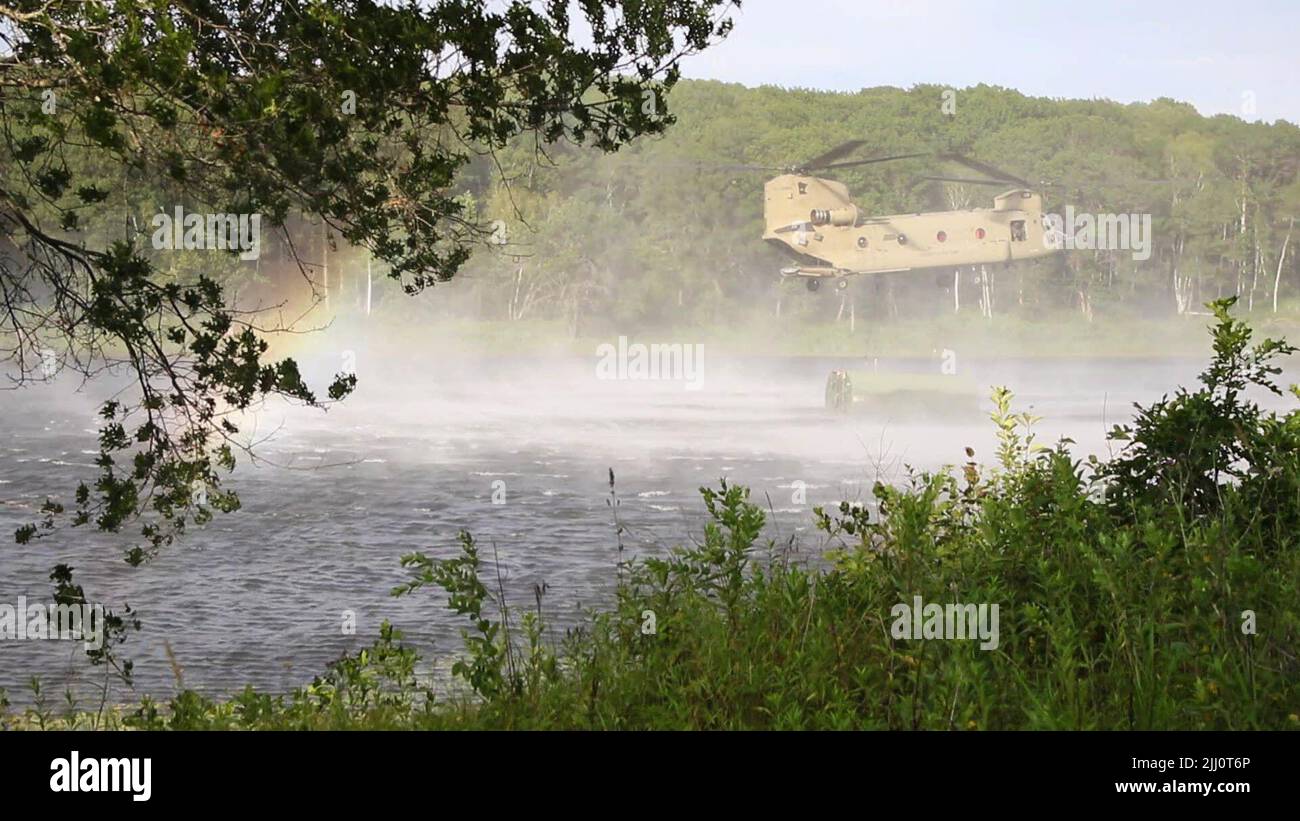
825,163
995,173
968,181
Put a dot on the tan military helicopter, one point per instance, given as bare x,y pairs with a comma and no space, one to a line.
814,220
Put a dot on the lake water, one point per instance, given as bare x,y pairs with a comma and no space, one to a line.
516,451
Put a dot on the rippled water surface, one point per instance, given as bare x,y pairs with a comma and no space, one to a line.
258,597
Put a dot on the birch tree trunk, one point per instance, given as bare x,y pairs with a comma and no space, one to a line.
1277,278
1254,281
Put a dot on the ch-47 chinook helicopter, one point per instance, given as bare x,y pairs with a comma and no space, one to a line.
814,220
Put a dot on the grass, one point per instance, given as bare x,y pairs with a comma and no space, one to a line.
907,394
1155,590
1062,334
867,383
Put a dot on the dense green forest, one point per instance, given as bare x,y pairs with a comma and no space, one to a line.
666,233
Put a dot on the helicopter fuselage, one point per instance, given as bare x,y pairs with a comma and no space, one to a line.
814,220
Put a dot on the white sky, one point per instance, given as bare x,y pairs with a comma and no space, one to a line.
1218,56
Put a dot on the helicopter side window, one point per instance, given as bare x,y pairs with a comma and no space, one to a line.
1018,233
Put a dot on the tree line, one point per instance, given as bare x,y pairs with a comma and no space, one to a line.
668,230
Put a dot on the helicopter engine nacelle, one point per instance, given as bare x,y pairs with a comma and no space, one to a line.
848,215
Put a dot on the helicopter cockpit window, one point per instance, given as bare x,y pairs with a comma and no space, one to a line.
1018,231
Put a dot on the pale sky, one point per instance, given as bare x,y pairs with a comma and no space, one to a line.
1222,57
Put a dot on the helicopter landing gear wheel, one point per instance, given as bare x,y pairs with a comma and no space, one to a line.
842,283
814,284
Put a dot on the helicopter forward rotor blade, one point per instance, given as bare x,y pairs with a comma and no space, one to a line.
841,150
871,160
711,166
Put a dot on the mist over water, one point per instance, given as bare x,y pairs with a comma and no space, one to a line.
430,444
